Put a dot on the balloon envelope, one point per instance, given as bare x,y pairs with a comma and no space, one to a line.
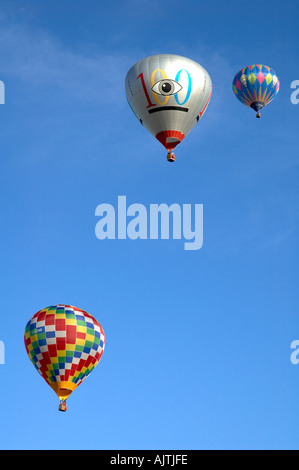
256,86
64,344
168,94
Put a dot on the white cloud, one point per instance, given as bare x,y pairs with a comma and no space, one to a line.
35,59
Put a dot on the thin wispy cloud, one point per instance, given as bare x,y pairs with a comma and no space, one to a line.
36,59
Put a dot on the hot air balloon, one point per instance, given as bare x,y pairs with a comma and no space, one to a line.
256,86
64,343
168,94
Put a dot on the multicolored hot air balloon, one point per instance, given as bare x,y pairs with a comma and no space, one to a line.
168,94
256,86
64,343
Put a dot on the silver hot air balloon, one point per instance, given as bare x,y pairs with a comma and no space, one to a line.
168,94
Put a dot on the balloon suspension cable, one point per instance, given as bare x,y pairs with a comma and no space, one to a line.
170,157
62,405
258,115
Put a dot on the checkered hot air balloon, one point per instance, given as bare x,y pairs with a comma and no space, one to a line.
64,344
256,86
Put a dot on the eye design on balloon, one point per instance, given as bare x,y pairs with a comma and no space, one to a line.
166,87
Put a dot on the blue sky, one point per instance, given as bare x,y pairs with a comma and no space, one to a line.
197,342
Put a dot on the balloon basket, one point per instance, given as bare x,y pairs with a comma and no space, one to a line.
170,157
62,405
258,115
